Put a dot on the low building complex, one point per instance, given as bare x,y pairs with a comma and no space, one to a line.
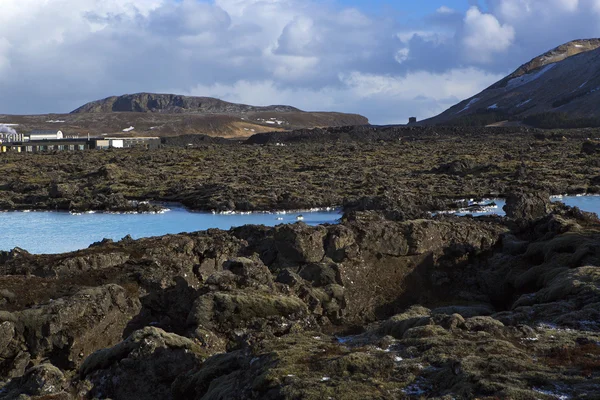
45,141
43,135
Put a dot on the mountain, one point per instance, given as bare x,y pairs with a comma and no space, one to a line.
147,114
172,103
560,88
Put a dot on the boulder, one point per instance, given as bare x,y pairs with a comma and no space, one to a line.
224,312
249,272
457,167
468,311
483,324
590,147
398,325
66,330
42,381
141,367
299,244
528,206
322,300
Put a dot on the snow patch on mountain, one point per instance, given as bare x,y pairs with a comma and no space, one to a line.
525,79
523,103
473,101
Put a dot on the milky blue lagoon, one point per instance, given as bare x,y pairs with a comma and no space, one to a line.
586,203
59,232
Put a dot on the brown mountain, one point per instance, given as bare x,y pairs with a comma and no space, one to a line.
560,87
172,103
148,114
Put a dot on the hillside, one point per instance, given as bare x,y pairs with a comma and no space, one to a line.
162,124
172,103
172,115
560,88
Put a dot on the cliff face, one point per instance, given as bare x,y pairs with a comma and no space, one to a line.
563,81
171,103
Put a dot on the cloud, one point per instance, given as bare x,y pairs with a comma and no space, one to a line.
57,54
386,99
445,10
484,36
4,54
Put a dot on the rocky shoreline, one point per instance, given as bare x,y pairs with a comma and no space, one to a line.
315,169
389,304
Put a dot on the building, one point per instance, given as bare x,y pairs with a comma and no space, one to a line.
44,135
412,120
8,137
76,144
129,142
41,146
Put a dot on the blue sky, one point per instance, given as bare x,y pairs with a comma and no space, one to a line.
412,9
387,60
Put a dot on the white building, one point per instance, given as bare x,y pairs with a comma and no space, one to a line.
45,135
9,137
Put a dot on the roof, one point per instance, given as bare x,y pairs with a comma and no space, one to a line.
132,138
55,141
44,132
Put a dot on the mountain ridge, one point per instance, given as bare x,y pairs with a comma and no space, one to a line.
151,114
173,103
559,85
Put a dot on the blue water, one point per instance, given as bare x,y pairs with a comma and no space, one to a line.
586,203
60,232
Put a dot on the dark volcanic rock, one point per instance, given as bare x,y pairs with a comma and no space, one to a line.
443,306
45,381
65,330
193,140
338,166
365,133
299,244
590,147
142,367
462,167
398,207
528,206
170,103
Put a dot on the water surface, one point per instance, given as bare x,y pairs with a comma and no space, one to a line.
494,206
59,232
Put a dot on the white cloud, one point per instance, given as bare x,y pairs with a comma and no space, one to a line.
484,36
391,99
402,55
57,54
430,36
567,5
445,10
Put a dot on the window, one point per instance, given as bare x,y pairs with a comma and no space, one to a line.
29,149
81,147
51,147
61,147
71,147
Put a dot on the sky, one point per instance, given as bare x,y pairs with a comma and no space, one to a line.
385,59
